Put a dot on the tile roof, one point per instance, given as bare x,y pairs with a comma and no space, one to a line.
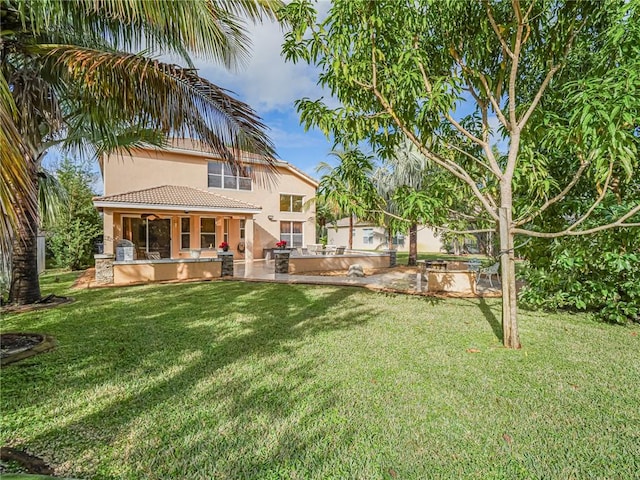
179,196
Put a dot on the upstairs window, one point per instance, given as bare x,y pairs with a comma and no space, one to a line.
291,203
223,175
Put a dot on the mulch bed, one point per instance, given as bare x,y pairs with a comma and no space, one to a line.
28,463
17,342
45,302
21,345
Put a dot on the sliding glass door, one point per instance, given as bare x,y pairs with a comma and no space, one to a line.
148,235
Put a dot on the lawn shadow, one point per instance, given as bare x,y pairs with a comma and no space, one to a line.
493,321
164,342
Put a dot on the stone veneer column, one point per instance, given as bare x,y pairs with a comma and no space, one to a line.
227,263
282,260
393,255
104,269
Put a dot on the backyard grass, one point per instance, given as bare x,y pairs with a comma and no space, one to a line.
239,380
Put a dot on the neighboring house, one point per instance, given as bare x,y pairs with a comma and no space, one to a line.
367,236
181,200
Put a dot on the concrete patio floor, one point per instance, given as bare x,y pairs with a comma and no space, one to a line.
394,280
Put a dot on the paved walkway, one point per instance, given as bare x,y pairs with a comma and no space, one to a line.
402,281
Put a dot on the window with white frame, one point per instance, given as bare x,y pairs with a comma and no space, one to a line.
291,232
367,236
208,232
185,233
398,240
223,175
291,203
243,227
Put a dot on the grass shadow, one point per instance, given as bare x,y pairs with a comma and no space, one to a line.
149,349
493,321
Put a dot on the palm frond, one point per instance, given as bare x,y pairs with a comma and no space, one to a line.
215,28
160,96
52,197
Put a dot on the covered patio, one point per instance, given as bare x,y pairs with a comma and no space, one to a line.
171,232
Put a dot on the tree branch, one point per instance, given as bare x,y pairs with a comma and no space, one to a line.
496,29
460,128
515,59
467,154
452,167
620,223
485,85
557,198
464,232
549,76
538,96
598,200
463,130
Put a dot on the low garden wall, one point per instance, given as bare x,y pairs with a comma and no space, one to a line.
324,263
163,270
451,281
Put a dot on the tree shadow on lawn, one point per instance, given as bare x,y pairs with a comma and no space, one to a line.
487,311
166,342
493,321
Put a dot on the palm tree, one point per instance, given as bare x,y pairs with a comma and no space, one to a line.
403,182
68,77
347,190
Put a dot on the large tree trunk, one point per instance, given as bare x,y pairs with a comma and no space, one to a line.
25,284
413,245
510,335
350,232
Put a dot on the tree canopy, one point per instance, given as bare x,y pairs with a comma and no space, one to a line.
496,93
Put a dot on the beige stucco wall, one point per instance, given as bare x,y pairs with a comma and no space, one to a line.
152,168
451,281
322,263
427,240
138,272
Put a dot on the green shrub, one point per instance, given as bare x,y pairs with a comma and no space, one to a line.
72,233
598,273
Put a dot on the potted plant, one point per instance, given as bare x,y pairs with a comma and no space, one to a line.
281,244
224,246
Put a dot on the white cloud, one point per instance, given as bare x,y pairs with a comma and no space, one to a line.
267,82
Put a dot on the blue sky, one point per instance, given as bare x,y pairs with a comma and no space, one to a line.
271,86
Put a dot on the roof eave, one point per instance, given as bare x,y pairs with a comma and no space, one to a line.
189,208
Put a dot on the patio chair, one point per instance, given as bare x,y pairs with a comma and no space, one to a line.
474,265
490,272
314,248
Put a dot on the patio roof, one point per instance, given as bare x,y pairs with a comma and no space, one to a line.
173,197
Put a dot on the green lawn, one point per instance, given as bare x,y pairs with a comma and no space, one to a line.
237,380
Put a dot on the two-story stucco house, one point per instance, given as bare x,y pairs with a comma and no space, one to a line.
182,202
